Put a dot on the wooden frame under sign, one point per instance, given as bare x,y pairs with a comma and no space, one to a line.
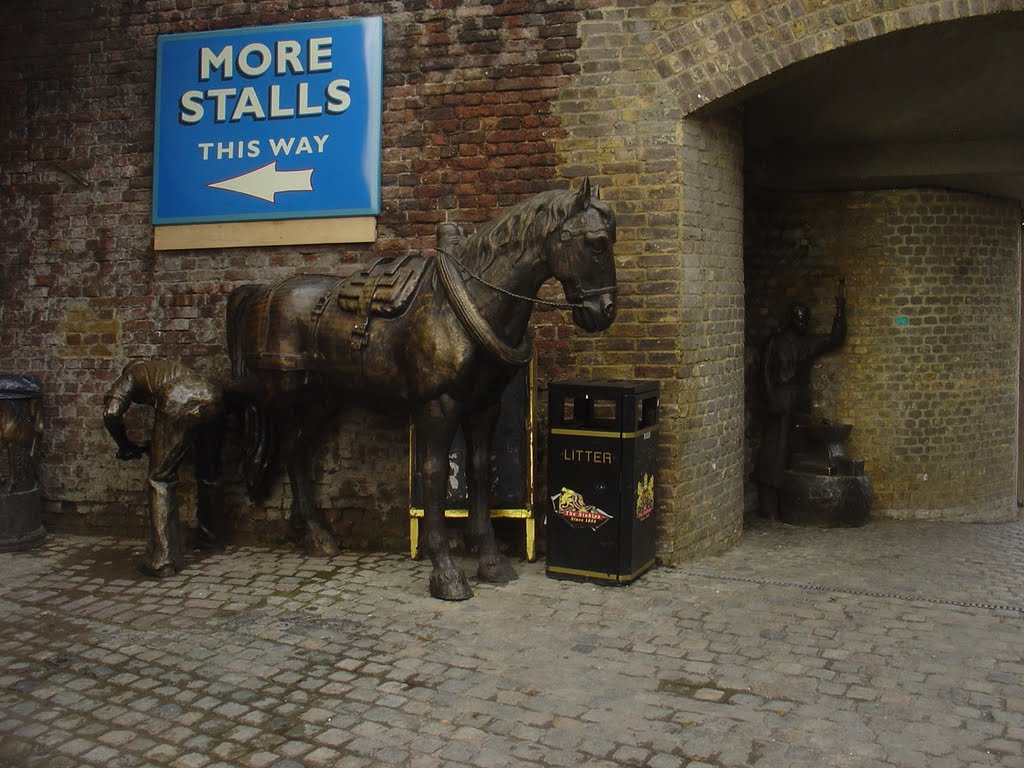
233,234
512,451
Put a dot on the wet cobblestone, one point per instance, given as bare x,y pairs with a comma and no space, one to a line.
896,644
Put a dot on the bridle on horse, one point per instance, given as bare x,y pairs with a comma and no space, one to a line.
565,235
469,315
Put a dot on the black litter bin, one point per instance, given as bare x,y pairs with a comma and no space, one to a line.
21,422
602,457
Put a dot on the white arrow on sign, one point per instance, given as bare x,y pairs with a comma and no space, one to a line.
267,181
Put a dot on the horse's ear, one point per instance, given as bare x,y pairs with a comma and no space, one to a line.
583,196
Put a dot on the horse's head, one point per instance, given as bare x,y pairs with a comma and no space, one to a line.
580,258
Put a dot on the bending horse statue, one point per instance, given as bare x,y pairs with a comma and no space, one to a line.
301,348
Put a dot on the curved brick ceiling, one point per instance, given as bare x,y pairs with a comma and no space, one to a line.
940,105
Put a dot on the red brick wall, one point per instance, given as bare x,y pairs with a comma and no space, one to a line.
468,129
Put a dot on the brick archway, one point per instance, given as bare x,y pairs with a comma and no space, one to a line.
740,47
733,45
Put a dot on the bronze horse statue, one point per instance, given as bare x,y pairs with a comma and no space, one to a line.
301,348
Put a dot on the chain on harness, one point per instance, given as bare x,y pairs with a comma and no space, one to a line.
565,236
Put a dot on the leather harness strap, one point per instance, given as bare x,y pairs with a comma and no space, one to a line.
474,322
317,313
361,330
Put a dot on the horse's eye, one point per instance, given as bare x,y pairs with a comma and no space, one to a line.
599,246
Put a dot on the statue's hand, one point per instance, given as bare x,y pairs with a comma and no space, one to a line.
132,451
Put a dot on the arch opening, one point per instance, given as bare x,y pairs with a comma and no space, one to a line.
897,164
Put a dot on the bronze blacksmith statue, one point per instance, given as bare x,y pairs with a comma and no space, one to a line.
805,476
438,335
785,376
188,418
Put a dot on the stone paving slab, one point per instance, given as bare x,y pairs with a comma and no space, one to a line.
896,644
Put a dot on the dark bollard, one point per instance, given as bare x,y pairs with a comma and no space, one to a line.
21,430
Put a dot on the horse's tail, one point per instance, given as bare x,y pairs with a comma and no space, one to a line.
258,441
35,412
238,304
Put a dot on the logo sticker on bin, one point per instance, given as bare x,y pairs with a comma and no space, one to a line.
574,510
645,497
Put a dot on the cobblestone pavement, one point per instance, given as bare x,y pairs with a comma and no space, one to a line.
897,644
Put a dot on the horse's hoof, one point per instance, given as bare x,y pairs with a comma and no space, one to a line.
320,542
322,546
207,542
496,570
450,584
159,571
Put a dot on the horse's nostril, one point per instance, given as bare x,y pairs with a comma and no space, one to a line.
609,311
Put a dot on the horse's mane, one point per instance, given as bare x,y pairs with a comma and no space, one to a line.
522,228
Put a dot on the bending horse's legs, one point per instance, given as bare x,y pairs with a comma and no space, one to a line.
435,426
167,450
478,429
209,485
299,437
12,463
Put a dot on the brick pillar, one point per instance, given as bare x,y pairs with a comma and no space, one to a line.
928,376
708,513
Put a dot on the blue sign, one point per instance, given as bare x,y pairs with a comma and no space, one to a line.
265,123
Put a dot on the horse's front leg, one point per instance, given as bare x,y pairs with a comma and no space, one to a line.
436,423
307,521
12,458
478,429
